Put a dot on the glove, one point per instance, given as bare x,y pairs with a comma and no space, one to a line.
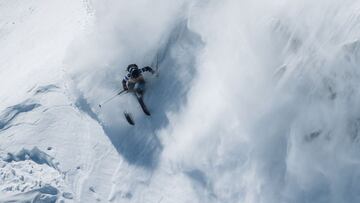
148,68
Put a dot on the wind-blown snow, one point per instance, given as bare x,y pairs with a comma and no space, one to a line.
253,102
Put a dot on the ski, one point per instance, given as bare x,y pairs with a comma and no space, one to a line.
129,118
143,106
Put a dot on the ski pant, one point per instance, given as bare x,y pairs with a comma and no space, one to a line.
138,87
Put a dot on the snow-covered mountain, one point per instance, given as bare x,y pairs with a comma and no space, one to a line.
253,101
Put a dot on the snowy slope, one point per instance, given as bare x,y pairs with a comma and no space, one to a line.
254,102
38,109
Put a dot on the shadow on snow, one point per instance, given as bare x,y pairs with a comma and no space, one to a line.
176,61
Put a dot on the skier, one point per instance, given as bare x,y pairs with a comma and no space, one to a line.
134,80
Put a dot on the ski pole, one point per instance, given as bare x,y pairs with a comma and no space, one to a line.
157,66
111,98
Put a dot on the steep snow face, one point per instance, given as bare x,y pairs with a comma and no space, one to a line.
253,102
280,121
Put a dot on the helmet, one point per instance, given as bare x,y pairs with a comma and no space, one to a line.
134,70
131,66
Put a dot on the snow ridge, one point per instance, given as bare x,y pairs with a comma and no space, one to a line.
10,113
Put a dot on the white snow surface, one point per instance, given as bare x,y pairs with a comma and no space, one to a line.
254,101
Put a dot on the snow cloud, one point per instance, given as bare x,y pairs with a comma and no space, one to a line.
268,92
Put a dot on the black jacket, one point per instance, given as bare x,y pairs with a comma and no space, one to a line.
135,73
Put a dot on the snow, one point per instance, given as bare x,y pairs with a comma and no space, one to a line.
31,175
253,102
